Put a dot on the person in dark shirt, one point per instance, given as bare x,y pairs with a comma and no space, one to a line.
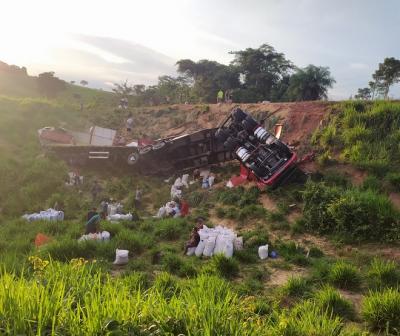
194,235
91,213
92,225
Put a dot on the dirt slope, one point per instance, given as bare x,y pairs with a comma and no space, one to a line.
299,119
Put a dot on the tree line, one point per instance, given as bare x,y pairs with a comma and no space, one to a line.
254,75
387,74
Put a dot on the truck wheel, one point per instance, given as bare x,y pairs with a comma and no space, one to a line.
238,115
145,149
133,158
222,134
249,124
231,143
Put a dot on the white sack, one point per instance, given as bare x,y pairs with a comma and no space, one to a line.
121,257
263,252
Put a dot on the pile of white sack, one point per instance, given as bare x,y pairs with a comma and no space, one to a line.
47,215
170,209
100,236
180,182
217,240
119,217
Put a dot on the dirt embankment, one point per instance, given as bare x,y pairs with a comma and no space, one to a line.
299,119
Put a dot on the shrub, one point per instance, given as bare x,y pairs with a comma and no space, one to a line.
354,214
170,228
394,180
225,267
293,253
344,275
329,299
132,241
256,238
172,263
383,274
381,310
315,252
246,255
296,287
320,270
166,284
306,318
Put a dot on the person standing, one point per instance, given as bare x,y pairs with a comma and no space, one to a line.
220,96
96,190
138,198
129,123
104,209
91,213
92,225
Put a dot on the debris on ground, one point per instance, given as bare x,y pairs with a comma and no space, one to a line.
98,236
46,215
121,257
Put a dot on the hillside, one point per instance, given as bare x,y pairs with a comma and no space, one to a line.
337,271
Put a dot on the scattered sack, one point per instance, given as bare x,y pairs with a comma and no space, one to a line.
263,252
100,236
190,251
209,246
119,217
121,257
200,248
185,179
47,215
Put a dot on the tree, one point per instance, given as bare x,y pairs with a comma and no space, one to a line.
261,69
310,83
49,85
363,94
387,74
124,89
84,83
72,82
208,77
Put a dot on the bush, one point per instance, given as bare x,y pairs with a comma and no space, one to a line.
225,267
246,255
293,253
132,241
170,228
381,310
296,287
344,275
383,274
394,180
329,299
353,214
307,318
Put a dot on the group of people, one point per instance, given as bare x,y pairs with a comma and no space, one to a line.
228,96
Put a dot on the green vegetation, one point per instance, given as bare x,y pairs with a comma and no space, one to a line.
381,310
329,299
344,275
350,213
383,274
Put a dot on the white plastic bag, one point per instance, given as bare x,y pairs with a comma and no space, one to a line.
105,236
121,257
209,246
190,251
185,179
263,252
200,248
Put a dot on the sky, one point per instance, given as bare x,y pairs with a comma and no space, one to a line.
105,42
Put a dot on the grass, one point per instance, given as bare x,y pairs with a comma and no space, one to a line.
381,274
329,299
381,310
344,275
296,287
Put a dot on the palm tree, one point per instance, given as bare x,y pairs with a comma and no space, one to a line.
310,83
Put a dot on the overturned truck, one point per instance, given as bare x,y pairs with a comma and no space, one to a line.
262,156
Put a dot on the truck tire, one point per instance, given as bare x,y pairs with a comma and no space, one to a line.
249,124
238,115
132,158
231,144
